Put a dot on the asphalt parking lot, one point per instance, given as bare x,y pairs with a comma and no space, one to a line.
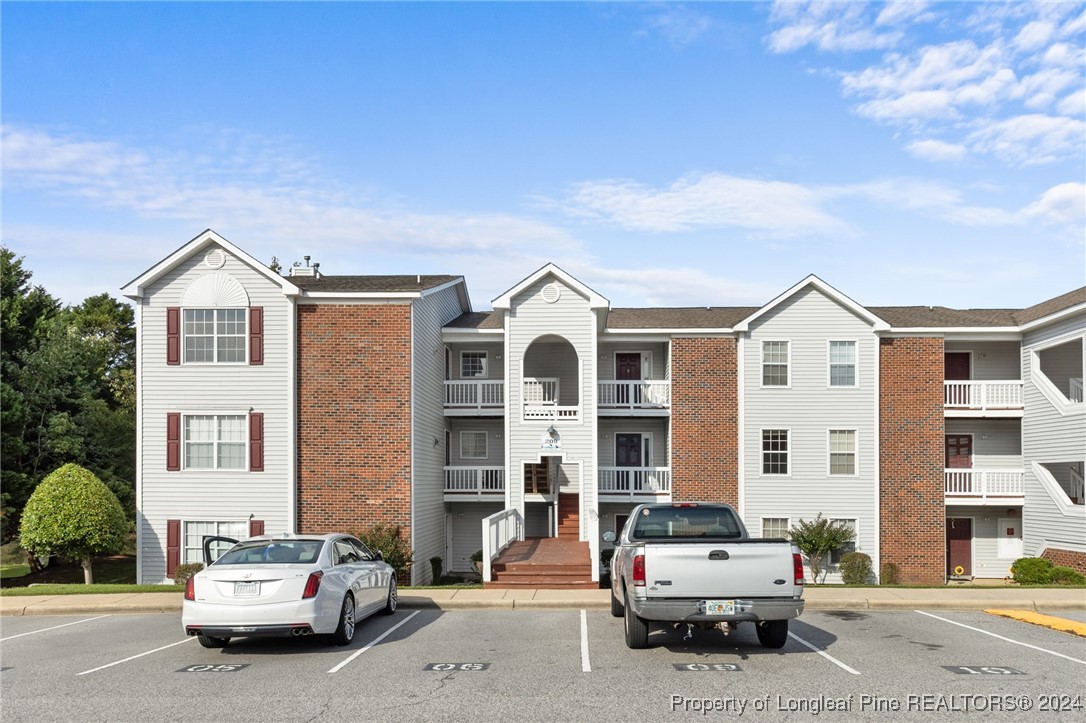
544,665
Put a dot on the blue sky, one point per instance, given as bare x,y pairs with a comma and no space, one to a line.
665,154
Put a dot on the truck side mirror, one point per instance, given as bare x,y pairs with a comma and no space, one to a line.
609,536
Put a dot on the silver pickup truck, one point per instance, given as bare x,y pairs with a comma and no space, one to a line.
693,564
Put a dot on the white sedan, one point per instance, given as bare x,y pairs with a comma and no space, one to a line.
287,585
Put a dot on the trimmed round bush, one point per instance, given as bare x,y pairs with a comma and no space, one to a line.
1032,571
1067,576
855,568
183,572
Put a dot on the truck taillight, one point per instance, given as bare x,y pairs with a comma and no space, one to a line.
797,567
312,585
639,570
190,588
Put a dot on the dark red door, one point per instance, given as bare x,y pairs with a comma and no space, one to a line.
959,451
628,454
628,368
956,366
959,546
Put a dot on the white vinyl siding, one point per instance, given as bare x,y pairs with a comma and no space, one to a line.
195,532
215,336
775,363
842,363
473,445
842,452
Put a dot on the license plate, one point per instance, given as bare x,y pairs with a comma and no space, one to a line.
246,588
720,607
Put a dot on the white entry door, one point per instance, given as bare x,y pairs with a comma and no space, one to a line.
1009,534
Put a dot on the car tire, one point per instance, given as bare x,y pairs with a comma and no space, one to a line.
392,601
617,608
772,633
212,642
345,632
637,629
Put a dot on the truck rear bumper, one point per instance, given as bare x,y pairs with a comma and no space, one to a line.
687,610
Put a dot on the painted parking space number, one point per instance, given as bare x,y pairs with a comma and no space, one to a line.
456,666
707,667
983,670
205,668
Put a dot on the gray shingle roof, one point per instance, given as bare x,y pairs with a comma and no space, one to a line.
695,317
942,317
371,284
1045,308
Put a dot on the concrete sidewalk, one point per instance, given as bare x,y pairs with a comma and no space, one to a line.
818,598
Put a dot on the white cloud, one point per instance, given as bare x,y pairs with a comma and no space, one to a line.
831,26
1064,204
1034,36
679,24
1029,140
935,150
900,11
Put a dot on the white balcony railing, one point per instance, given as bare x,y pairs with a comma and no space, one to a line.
541,401
639,394
475,480
1075,390
474,393
983,483
982,395
634,481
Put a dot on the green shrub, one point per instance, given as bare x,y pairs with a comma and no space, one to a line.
74,515
816,538
855,568
1067,576
890,574
1032,571
387,539
183,572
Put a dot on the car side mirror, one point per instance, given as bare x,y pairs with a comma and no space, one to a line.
609,536
380,556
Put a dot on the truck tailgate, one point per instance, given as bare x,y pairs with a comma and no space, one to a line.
718,570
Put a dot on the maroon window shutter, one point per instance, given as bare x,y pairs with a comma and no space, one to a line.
173,546
173,335
256,335
173,441
256,441
256,527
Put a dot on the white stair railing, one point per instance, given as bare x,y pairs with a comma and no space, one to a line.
500,530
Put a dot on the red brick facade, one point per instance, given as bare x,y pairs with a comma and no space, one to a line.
911,439
354,417
1066,558
704,418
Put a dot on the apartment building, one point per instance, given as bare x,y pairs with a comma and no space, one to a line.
951,441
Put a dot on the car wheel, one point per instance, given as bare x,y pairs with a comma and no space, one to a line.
210,642
345,632
637,629
392,601
617,609
772,633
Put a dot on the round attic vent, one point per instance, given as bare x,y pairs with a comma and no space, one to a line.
215,259
551,293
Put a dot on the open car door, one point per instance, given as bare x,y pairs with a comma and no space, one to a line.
210,540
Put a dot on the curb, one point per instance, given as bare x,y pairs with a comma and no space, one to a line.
1062,625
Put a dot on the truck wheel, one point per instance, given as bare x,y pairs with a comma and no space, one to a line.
637,629
772,633
617,608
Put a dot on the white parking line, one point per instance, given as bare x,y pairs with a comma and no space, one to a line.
586,666
133,657
373,642
825,655
32,632
1026,645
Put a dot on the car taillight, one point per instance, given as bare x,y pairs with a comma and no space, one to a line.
797,567
312,585
190,589
639,571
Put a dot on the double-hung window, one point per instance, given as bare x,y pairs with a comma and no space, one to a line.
842,356
473,445
473,364
775,361
842,451
215,441
215,336
837,553
774,451
195,532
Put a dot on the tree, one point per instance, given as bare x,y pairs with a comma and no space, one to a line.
816,538
72,514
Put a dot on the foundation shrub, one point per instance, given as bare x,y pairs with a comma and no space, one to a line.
855,568
1032,571
890,574
183,572
1067,576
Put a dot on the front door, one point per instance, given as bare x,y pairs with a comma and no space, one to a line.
1009,545
959,546
628,369
628,454
956,366
959,451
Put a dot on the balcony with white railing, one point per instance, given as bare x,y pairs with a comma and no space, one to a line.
541,401
634,483
975,398
474,397
474,483
983,486
641,396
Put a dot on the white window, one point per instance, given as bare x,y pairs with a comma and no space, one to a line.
838,553
776,527
195,532
775,359
473,445
215,336
842,363
774,451
215,441
473,364
842,451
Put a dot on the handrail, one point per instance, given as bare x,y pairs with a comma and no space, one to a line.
984,483
476,393
499,531
984,394
632,481
474,480
635,394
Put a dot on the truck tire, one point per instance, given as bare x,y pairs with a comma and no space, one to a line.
617,609
772,633
637,629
